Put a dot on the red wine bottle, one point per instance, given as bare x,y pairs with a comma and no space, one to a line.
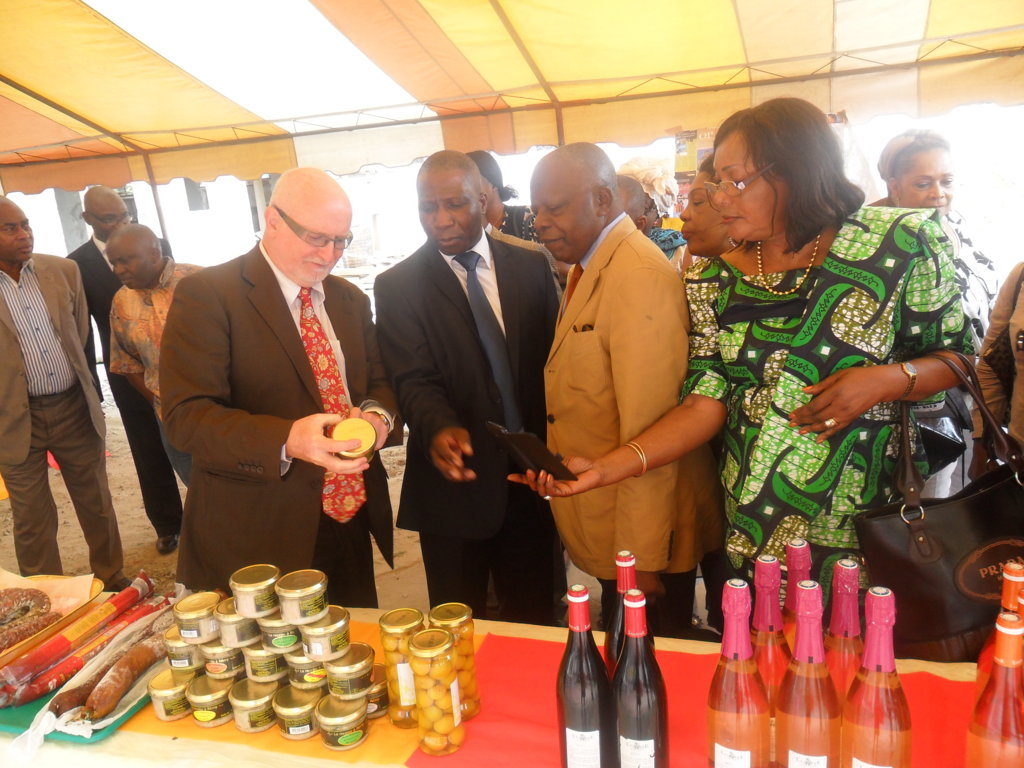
798,568
843,645
995,738
739,727
639,693
615,632
771,651
586,715
1013,583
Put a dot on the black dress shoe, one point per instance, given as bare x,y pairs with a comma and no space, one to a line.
167,544
116,585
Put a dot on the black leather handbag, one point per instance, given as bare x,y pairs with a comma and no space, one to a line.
943,557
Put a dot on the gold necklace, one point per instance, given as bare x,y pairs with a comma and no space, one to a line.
800,282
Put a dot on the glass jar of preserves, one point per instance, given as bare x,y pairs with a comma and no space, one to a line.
209,699
326,639
396,630
264,666
279,635
304,673
457,618
352,676
193,615
342,723
295,711
253,588
302,596
377,696
252,704
168,697
236,630
182,656
437,691
222,663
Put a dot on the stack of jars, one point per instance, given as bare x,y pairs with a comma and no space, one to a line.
431,673
273,653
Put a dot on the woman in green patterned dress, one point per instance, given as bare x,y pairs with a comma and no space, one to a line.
804,338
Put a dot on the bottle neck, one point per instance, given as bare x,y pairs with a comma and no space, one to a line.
767,612
809,646
736,643
579,616
845,621
636,621
625,578
1012,585
1008,649
878,652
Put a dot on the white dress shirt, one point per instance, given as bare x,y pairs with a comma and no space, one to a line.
485,274
103,250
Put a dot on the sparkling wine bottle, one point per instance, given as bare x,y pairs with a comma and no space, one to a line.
807,713
798,568
771,651
876,717
996,735
738,718
639,694
615,634
843,645
1013,587
586,714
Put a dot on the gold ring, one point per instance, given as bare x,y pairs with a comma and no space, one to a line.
831,423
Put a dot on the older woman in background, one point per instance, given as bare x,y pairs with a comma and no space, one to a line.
917,168
703,228
804,338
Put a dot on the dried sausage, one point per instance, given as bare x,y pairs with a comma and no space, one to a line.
122,675
23,628
17,602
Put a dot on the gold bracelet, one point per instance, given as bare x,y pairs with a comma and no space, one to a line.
640,453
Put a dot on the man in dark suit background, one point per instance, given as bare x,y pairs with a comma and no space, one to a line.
239,393
465,324
105,211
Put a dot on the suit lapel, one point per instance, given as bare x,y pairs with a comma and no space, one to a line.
50,291
440,274
508,293
267,299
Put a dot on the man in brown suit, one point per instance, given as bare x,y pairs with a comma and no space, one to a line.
239,393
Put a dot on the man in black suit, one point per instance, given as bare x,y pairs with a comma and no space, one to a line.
105,211
464,326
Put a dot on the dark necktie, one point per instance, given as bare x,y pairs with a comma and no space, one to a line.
493,340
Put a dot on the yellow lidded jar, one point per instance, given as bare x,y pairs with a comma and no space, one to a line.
295,711
182,656
457,618
352,676
304,673
342,723
437,691
193,615
279,635
263,666
302,596
236,630
396,630
355,428
252,703
168,697
326,639
209,699
253,588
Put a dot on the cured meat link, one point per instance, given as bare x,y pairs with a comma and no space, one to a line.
122,675
22,629
17,602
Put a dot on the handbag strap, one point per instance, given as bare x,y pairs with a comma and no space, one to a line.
908,480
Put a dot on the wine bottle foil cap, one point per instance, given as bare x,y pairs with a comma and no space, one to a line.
798,554
634,598
845,577
578,594
736,598
880,607
767,572
808,599
1010,624
1013,571
625,557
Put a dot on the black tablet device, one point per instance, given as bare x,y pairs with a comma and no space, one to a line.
530,452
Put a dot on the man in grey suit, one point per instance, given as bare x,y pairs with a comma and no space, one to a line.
50,404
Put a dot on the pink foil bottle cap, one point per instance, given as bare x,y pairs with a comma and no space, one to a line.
880,607
808,599
736,598
767,572
845,576
798,554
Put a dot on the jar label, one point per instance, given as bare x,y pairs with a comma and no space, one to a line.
342,738
216,667
456,702
265,667
635,753
285,641
796,760
350,738
188,630
731,758
296,727
406,685
313,675
348,685
261,718
246,630
176,706
207,714
312,605
582,749
339,640
183,661
265,600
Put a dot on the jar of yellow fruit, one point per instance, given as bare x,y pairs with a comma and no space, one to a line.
396,630
437,691
457,618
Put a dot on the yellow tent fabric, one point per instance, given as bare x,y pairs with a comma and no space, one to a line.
82,101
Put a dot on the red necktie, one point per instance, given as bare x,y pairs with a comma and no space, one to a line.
574,278
343,495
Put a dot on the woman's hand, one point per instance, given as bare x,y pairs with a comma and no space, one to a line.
587,478
846,395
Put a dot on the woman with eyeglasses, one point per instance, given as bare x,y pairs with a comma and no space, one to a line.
705,233
804,338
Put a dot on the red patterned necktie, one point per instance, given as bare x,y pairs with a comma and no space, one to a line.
343,495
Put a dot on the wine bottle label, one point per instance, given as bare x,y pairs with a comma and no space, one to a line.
636,754
731,758
796,760
406,685
582,749
861,764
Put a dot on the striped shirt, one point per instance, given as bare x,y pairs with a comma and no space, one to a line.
48,370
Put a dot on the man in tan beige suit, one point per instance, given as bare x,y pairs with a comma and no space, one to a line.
616,365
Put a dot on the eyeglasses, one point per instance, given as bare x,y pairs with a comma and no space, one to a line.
652,207
732,188
110,218
316,239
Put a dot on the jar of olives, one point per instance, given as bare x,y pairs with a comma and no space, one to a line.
437,691
396,630
457,618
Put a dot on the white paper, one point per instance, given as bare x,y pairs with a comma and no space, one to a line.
796,760
636,754
731,758
406,685
582,749
66,593
456,702
861,764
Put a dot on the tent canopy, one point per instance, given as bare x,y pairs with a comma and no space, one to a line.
107,91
